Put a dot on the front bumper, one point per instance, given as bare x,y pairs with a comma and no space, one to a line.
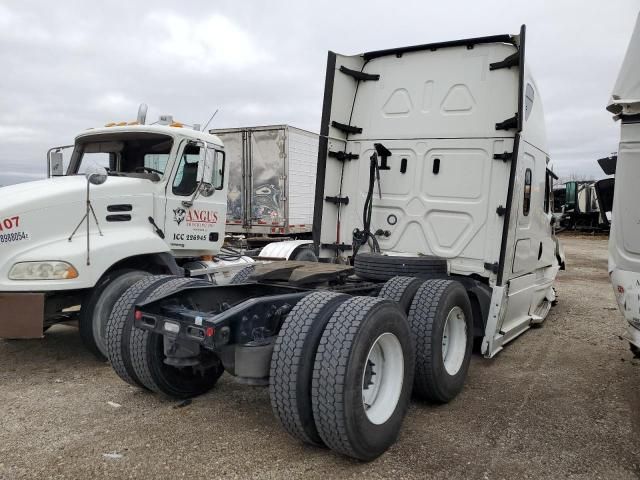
626,287
21,315
633,335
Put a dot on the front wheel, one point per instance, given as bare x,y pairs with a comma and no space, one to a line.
304,255
95,310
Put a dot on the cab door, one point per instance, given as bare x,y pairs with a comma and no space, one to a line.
526,248
196,200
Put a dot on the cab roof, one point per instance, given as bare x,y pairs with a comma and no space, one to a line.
625,98
173,131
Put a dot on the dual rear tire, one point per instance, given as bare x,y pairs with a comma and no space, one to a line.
138,356
341,373
344,368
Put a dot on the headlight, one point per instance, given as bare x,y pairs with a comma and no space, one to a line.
42,271
635,322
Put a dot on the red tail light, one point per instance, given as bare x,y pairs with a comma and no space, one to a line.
137,315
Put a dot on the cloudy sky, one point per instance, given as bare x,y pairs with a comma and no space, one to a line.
67,66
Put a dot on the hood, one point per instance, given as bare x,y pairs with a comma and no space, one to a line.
58,191
38,218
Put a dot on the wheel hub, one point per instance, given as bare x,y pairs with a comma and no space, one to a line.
382,378
369,372
454,340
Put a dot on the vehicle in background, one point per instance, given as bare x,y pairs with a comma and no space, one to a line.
272,171
433,224
578,207
134,200
624,240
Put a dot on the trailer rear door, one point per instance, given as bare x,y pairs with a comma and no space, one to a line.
267,157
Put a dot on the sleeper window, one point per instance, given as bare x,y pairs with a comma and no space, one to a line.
528,101
526,204
548,192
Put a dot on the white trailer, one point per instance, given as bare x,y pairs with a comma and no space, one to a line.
272,171
624,240
433,225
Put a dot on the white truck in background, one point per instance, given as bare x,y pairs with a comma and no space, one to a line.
624,239
134,200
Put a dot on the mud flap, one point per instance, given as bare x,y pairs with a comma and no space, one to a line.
21,315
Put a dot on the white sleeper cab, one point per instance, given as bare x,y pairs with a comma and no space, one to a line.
624,240
437,155
433,226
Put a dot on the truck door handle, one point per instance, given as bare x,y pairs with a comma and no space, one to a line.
436,166
540,251
403,165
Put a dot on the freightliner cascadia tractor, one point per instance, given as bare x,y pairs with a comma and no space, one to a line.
433,224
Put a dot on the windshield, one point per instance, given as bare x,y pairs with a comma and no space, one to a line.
131,154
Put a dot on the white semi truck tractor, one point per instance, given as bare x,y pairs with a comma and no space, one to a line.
433,225
133,200
624,240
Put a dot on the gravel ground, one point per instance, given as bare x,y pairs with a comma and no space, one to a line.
562,401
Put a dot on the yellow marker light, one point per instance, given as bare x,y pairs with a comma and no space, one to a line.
121,124
110,124
133,123
176,125
71,273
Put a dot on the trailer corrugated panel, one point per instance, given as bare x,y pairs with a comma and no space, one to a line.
302,160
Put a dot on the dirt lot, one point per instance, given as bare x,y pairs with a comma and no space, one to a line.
562,401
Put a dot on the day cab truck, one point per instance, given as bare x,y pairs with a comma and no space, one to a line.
624,239
433,226
134,200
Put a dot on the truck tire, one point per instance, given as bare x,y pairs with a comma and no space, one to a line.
304,254
375,266
242,276
95,311
401,290
362,377
147,357
441,322
293,361
120,326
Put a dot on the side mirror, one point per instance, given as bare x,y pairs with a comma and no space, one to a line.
55,161
56,164
207,164
204,175
96,175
